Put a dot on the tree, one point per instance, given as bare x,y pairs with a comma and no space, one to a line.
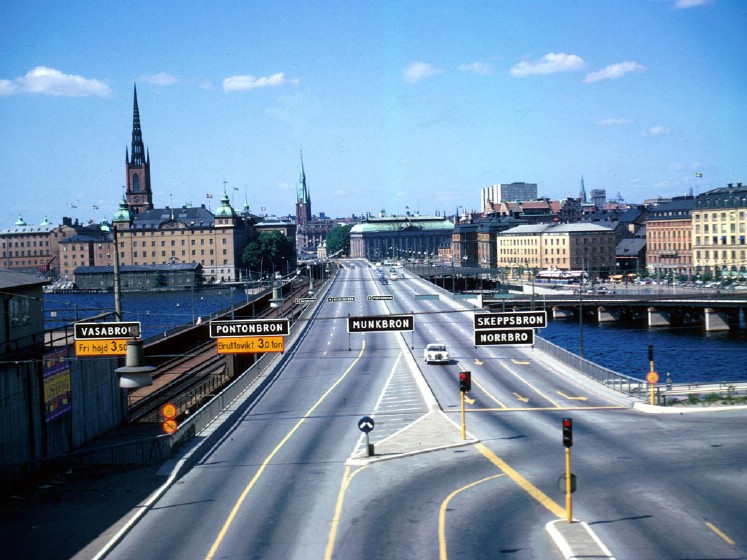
272,251
338,240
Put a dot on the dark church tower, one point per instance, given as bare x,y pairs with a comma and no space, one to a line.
138,195
303,200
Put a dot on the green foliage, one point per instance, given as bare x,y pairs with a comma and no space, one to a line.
271,251
338,239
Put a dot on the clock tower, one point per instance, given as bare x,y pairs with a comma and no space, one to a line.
138,194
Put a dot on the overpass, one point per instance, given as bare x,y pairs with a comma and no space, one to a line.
714,311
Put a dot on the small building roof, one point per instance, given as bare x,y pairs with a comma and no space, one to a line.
11,279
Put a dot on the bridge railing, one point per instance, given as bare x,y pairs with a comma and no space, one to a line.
618,381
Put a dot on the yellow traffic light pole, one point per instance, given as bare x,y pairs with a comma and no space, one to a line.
568,486
464,424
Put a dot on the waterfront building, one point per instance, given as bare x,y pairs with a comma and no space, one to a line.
474,243
185,235
487,231
140,278
400,237
34,249
506,192
464,244
669,239
90,246
582,246
719,227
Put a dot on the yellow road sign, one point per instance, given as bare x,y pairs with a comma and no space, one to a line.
168,411
250,344
112,347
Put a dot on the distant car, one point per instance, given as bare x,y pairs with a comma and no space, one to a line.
435,354
603,291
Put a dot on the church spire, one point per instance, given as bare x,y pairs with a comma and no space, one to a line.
303,190
138,194
303,200
138,150
582,194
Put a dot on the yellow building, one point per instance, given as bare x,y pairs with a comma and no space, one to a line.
185,235
719,224
580,246
33,249
669,238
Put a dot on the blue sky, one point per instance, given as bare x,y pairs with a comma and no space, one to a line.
395,104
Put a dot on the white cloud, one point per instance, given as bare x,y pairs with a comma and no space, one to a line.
418,71
684,4
7,87
551,63
160,79
476,68
656,131
247,81
48,81
614,71
613,122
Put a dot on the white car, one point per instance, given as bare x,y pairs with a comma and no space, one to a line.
435,353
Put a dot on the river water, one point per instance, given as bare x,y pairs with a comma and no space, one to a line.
687,354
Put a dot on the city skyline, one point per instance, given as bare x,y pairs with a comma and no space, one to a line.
389,115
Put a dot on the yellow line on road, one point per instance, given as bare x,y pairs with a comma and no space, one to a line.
255,478
529,408
346,478
528,487
484,390
540,393
719,532
442,514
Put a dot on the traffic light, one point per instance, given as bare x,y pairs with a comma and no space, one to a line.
465,381
567,432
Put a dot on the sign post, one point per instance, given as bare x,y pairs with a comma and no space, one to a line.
569,478
365,425
652,377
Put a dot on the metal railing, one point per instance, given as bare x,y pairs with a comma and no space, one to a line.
618,381
156,449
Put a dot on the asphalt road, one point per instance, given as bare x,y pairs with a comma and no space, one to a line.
281,484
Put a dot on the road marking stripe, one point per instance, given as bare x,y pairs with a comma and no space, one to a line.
442,514
528,487
255,478
540,393
527,408
484,390
344,483
719,532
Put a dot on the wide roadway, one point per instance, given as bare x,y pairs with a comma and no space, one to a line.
279,484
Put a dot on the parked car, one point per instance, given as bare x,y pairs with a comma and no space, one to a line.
435,354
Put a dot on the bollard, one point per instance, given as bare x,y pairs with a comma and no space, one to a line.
370,449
